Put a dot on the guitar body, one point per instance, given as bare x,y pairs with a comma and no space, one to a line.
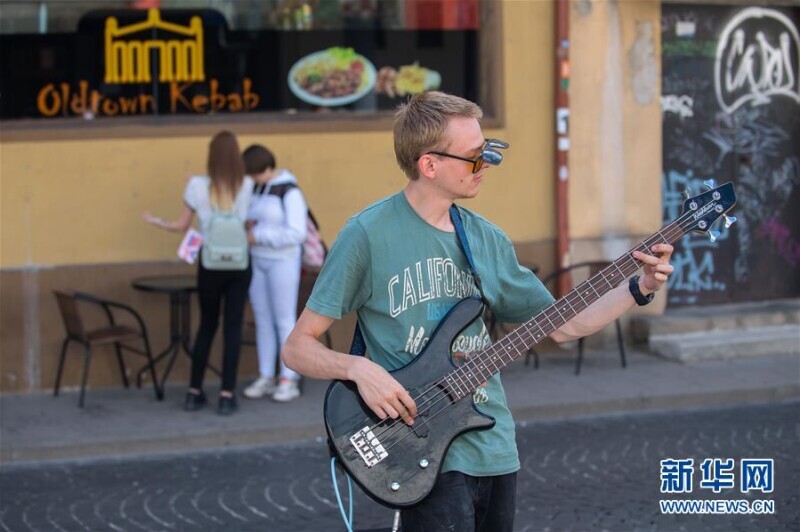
414,454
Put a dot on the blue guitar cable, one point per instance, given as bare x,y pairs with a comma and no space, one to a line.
348,520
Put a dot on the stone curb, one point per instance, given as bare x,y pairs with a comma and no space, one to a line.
277,435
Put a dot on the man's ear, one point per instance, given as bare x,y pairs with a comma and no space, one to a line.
426,167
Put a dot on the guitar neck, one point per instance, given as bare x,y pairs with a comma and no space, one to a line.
463,380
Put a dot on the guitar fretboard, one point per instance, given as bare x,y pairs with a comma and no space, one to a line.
463,380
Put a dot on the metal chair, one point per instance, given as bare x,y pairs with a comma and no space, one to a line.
593,267
117,335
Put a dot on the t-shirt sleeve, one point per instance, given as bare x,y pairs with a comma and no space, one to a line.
344,283
195,190
518,294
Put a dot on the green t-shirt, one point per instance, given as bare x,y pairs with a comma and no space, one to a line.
402,275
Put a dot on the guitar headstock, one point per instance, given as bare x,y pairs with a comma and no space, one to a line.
701,211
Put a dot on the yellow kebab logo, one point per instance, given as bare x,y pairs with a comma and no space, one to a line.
179,59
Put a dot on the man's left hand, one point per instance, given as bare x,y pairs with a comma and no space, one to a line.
656,267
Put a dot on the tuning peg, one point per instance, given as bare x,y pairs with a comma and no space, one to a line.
713,235
687,192
710,183
729,220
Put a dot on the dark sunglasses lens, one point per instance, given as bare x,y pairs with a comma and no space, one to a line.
492,157
477,165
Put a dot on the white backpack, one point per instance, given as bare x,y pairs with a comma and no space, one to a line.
225,244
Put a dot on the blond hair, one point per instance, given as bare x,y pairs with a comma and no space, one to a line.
420,125
225,168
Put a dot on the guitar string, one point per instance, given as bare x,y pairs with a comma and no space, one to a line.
667,233
398,424
572,299
670,234
465,372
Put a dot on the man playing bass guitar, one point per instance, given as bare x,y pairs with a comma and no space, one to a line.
399,265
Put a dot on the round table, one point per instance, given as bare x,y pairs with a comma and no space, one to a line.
179,288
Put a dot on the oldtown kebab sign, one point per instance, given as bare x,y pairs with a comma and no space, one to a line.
178,63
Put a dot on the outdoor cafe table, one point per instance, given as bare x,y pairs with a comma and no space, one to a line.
179,288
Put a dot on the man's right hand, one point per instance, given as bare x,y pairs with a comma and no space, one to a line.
304,353
381,392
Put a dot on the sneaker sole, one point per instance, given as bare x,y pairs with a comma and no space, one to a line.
254,396
285,399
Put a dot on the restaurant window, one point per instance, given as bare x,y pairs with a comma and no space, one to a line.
73,59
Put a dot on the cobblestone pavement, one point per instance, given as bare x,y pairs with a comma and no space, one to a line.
601,473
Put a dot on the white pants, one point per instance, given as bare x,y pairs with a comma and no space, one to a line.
273,297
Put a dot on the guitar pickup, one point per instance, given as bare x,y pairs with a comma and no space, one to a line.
369,448
420,426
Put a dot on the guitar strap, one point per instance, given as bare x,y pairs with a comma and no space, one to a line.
455,216
359,347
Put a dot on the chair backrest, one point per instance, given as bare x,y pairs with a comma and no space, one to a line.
68,306
591,266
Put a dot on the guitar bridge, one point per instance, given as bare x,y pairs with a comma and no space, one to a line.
368,446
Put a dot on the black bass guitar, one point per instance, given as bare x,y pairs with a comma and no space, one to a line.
396,464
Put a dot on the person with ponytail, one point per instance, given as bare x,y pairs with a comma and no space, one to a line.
225,190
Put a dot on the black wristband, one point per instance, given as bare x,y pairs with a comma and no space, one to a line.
637,294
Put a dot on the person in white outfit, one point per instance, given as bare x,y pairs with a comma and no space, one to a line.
277,228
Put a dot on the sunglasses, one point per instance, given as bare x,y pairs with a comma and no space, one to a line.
489,155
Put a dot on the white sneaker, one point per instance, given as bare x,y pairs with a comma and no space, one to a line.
288,390
261,386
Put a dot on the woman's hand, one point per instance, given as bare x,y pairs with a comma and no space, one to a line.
178,226
152,219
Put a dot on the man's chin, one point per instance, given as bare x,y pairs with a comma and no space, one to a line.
471,194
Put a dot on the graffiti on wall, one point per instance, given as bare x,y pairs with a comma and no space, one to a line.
750,67
694,261
731,109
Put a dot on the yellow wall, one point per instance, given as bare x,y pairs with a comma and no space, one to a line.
79,202
615,121
70,209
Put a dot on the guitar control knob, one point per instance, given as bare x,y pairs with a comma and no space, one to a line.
395,486
423,463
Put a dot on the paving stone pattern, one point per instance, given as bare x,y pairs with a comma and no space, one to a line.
593,474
